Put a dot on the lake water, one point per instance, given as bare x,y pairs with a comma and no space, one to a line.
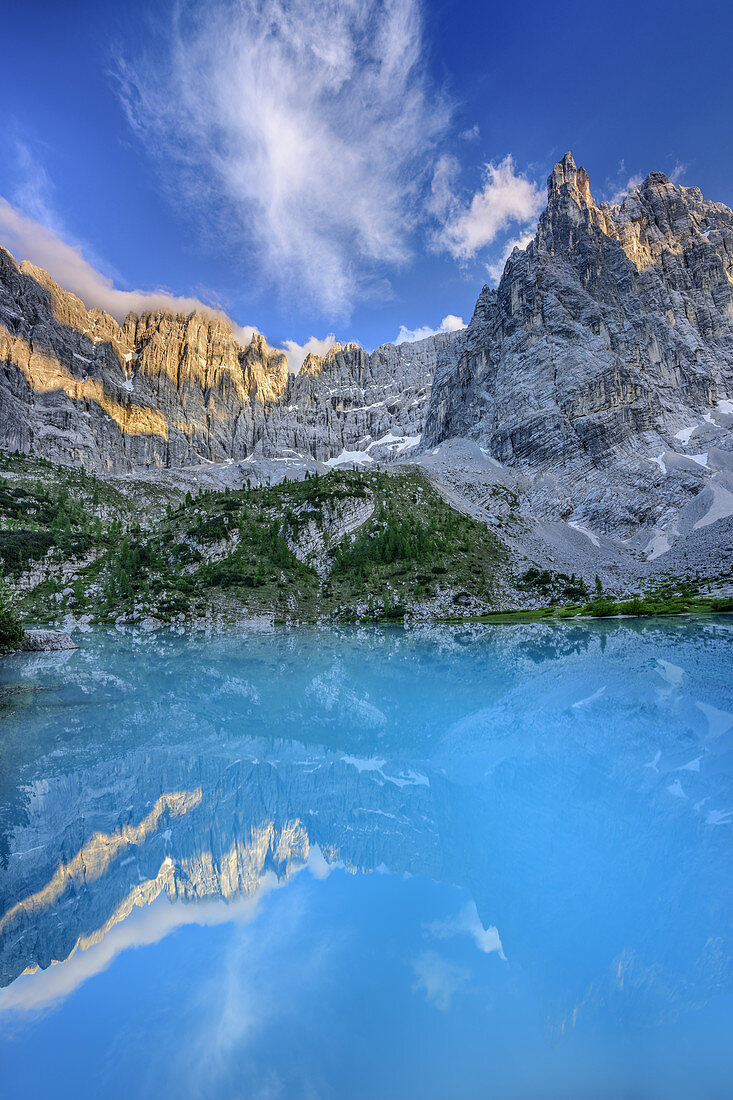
445,863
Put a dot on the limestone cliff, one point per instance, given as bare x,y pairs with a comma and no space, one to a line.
350,400
607,344
168,390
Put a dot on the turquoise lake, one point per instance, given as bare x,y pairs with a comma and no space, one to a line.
480,862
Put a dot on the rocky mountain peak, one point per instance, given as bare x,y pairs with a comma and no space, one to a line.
610,335
264,370
170,388
566,179
314,364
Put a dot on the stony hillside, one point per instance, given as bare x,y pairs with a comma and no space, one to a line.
583,420
381,544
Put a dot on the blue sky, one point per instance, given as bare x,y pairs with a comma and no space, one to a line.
354,167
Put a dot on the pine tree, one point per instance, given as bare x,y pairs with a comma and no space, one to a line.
11,628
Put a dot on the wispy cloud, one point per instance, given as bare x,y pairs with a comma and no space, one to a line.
303,128
677,172
506,197
31,193
450,323
28,239
473,133
619,186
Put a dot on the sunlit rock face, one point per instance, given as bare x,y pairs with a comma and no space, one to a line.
219,825
163,389
167,389
608,335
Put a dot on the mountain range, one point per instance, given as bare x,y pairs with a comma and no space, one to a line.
168,390
595,383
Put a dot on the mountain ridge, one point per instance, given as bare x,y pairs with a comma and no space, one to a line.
168,389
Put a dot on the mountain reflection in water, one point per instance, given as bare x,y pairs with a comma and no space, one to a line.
571,785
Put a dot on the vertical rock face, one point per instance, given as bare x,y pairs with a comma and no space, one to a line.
166,389
162,389
610,331
350,400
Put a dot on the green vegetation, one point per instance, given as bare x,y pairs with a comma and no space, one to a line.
345,546
553,587
11,628
675,597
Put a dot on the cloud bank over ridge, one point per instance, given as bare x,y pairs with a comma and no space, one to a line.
28,239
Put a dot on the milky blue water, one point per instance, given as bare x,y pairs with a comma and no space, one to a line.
454,862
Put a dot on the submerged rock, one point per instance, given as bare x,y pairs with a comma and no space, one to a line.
44,641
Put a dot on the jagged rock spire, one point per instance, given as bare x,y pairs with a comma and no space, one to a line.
565,176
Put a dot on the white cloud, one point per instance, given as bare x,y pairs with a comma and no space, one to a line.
506,197
450,323
305,128
43,988
623,185
468,922
677,172
442,200
296,352
29,240
495,270
439,979
31,194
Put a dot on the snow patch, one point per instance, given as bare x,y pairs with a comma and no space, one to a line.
719,721
374,764
721,507
684,435
398,443
719,817
359,458
589,698
693,766
673,674
585,531
659,544
654,764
